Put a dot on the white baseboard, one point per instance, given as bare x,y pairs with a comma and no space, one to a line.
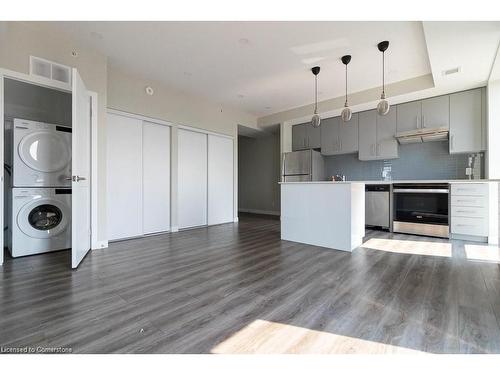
174,229
100,245
262,212
236,219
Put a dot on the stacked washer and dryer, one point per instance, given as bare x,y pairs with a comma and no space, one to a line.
38,201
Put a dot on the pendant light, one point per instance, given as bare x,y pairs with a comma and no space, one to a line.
346,112
315,120
383,106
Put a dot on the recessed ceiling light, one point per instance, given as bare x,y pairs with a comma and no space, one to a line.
96,35
451,71
244,41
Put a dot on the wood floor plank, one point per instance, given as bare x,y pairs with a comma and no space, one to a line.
237,288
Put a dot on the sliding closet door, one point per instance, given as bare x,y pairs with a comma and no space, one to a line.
124,171
192,179
220,180
156,177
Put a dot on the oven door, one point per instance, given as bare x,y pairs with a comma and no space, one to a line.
421,205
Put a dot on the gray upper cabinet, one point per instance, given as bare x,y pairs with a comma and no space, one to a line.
339,137
376,135
409,116
305,136
299,137
367,135
313,136
330,136
436,112
466,122
348,135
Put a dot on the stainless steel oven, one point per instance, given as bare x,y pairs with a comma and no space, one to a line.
421,209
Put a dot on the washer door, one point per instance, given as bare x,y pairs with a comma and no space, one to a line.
45,151
43,218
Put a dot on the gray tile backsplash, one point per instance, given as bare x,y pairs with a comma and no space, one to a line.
417,161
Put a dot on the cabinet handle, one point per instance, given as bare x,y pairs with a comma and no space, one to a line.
451,141
378,149
417,119
423,121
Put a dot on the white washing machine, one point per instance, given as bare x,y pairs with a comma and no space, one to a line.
41,154
41,220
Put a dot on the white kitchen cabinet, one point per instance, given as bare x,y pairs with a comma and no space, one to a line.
436,112
156,177
466,130
220,180
124,176
192,179
376,135
469,214
409,116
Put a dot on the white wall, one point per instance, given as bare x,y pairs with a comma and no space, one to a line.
493,160
259,173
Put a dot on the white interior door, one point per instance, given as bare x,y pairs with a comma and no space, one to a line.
80,201
1,172
192,179
220,180
156,177
124,176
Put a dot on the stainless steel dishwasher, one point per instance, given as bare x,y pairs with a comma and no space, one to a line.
377,205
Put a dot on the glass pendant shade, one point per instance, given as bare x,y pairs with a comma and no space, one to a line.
346,114
316,121
383,106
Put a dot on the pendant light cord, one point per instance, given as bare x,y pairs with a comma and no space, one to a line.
345,85
315,94
383,73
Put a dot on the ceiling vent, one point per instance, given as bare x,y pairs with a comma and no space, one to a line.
451,71
50,70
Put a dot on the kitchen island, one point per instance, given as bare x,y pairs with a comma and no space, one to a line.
323,213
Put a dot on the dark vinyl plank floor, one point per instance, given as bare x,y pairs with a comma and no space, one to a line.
237,288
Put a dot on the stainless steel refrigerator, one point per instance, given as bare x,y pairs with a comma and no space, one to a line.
305,165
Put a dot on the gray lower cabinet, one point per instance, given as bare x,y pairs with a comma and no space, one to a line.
339,137
376,135
436,112
305,136
466,122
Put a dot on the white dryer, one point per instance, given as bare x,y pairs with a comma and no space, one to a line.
41,220
41,154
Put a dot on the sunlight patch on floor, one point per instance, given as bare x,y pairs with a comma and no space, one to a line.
482,253
266,337
439,249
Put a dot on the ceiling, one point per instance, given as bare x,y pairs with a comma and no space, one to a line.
264,67
259,67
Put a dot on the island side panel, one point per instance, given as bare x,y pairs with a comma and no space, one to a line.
357,214
317,214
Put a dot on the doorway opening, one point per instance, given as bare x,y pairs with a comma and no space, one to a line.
259,171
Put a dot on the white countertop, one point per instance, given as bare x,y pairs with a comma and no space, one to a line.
392,182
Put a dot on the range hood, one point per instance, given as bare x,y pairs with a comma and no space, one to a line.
423,135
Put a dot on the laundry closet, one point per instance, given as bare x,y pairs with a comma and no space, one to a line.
39,157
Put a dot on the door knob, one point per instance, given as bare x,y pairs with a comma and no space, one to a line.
78,178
